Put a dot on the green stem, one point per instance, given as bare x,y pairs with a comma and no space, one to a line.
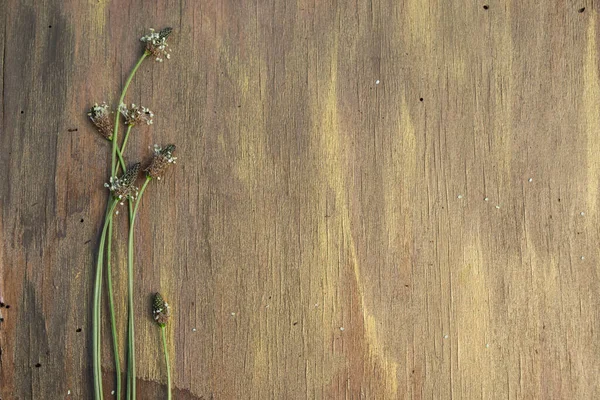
121,161
118,116
131,330
121,151
126,137
111,308
166,350
111,301
116,153
97,362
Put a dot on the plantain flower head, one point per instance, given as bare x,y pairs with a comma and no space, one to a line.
161,312
136,115
100,117
156,44
124,187
163,157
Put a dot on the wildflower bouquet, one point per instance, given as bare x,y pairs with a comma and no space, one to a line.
122,188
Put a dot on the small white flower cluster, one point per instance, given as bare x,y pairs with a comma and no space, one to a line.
136,114
156,44
166,152
122,189
158,312
163,156
98,111
100,117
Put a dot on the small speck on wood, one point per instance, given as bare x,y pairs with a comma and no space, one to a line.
582,9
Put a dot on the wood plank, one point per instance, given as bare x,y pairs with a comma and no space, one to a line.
373,200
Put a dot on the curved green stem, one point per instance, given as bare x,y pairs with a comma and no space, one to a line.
111,301
121,161
111,308
116,153
126,137
121,151
166,350
97,362
131,330
113,168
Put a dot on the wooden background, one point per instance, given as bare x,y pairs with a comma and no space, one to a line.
323,236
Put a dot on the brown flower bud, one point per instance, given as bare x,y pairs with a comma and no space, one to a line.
160,310
163,157
136,115
100,117
156,44
124,187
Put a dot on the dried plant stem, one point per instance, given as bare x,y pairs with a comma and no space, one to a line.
97,364
118,115
166,351
131,330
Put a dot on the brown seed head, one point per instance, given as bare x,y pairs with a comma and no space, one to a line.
156,43
163,157
136,115
160,310
124,187
100,117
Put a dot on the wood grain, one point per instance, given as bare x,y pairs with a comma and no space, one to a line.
326,233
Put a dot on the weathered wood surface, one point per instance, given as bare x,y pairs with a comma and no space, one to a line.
324,236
